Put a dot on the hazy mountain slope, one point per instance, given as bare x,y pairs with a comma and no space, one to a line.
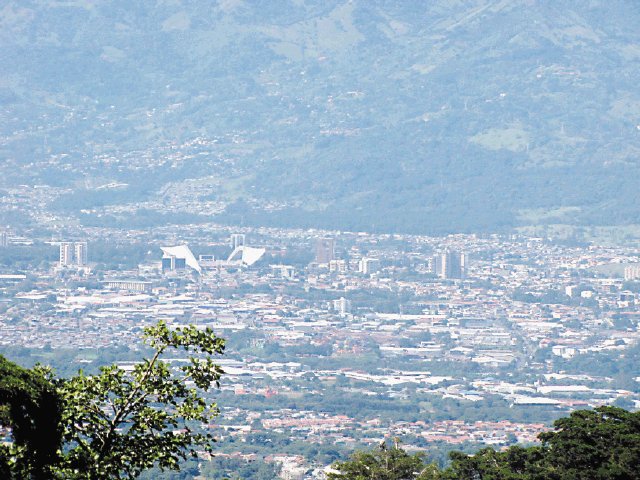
415,116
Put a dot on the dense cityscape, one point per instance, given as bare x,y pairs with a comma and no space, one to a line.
319,240
342,339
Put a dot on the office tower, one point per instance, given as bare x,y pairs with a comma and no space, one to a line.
172,263
325,250
66,254
449,265
168,263
237,240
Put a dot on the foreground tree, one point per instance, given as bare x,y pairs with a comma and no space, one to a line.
594,445
384,463
117,423
31,407
600,444
515,463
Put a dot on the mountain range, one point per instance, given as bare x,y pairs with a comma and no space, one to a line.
421,117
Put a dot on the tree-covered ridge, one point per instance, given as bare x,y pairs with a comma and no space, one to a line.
395,116
600,444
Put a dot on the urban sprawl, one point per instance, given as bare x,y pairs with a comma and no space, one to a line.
341,339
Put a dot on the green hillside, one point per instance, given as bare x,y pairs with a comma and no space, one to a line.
379,115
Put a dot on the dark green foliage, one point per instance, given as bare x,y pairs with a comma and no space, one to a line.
383,463
30,405
594,445
600,444
116,423
516,463
221,468
24,256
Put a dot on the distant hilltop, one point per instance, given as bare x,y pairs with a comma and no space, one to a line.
420,117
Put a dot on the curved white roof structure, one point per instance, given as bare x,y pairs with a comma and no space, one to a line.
182,251
248,255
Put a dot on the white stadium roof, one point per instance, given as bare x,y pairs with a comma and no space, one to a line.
182,251
249,255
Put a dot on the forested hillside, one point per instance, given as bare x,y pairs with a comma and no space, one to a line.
376,115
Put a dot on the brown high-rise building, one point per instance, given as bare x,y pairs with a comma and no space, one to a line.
325,250
450,265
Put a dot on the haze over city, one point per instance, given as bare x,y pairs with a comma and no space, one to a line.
414,224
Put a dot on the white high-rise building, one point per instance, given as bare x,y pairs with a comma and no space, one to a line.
369,265
66,254
342,306
80,254
73,254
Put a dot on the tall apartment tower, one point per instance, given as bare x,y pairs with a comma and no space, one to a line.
342,306
4,239
66,254
237,240
450,265
80,254
73,254
325,250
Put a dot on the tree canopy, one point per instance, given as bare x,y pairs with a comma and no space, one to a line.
383,463
117,423
588,445
32,408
